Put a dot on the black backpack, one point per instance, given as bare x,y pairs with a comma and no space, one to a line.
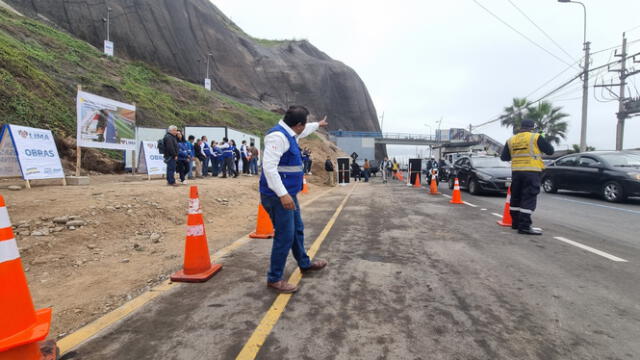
161,146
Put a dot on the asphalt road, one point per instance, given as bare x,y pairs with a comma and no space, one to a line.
411,276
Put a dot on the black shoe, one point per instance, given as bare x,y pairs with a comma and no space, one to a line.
530,231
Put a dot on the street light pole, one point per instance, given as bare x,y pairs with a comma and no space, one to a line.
585,79
108,21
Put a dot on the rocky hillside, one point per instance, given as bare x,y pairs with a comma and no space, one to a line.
40,68
177,35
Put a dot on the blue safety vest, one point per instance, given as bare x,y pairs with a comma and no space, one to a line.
206,148
227,152
290,167
216,152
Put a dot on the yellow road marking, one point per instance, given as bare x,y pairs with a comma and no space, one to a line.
88,331
260,334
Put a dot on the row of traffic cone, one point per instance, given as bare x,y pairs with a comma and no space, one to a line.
456,198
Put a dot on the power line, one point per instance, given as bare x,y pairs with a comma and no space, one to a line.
615,47
555,90
520,33
633,28
552,79
541,30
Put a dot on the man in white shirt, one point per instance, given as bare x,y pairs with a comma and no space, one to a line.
281,180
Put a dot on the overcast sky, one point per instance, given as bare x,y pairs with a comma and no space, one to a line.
423,60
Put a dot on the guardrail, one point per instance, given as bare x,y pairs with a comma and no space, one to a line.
380,135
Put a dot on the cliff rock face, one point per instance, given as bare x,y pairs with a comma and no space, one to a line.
177,35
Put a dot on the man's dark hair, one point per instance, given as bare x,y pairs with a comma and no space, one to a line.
203,137
252,144
244,141
191,137
296,115
225,139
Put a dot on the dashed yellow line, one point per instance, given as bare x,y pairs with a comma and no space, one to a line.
83,334
260,334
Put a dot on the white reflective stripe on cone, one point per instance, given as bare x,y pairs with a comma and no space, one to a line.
4,218
509,198
194,206
8,250
456,187
195,230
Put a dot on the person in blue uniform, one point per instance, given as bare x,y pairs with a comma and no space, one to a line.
280,182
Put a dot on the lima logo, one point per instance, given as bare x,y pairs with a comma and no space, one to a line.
33,136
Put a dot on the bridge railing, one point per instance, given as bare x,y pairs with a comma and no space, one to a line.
380,135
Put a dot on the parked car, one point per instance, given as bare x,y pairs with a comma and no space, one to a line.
481,174
614,175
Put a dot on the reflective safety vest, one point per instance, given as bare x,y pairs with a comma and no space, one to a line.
525,154
290,167
206,148
227,152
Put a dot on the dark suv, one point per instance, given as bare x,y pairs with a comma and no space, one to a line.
614,175
481,174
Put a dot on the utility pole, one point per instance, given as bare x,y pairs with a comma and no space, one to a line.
108,45
585,97
626,106
622,114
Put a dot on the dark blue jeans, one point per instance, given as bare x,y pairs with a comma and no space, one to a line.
171,170
289,235
205,166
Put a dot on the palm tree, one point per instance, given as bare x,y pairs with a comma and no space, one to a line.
514,114
548,119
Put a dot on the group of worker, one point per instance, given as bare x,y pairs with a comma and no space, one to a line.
193,158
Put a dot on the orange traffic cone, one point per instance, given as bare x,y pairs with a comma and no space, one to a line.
506,215
197,263
417,183
305,187
22,326
433,186
456,198
264,227
400,176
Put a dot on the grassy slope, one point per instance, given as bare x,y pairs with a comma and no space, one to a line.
40,68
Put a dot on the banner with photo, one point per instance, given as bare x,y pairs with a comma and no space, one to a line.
105,123
30,153
150,161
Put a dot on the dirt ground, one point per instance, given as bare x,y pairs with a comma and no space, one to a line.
129,235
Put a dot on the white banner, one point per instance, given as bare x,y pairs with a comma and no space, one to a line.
105,123
36,151
108,48
150,161
207,84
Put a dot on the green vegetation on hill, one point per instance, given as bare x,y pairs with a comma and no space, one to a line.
40,68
